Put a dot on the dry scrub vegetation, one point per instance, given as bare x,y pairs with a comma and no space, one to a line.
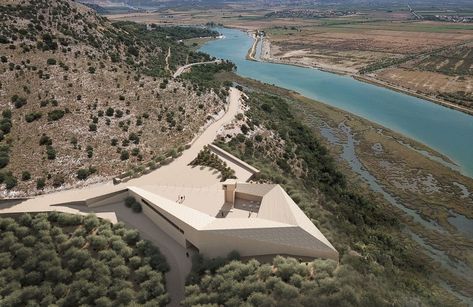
79,94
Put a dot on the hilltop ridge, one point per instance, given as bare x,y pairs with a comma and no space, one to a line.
84,99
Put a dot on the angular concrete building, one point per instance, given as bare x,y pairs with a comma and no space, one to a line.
253,219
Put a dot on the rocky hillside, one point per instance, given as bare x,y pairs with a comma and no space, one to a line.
82,99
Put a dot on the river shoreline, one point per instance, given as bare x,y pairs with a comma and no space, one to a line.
362,78
251,55
441,129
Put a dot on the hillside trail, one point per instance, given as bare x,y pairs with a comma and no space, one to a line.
183,68
167,60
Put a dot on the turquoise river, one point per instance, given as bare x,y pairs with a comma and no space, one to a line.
448,131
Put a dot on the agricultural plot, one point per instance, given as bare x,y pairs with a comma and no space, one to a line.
453,61
355,45
446,75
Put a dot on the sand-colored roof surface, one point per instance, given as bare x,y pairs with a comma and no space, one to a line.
278,220
189,216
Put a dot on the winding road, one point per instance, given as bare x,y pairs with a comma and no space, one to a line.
181,69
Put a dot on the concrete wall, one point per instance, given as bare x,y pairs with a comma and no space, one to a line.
107,199
248,242
248,196
162,223
229,189
214,244
228,156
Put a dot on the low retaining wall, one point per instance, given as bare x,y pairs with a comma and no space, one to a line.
19,199
7,202
102,200
107,198
228,156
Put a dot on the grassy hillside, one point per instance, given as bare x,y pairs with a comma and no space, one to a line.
70,260
78,93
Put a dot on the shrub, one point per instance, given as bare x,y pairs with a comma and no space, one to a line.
7,113
92,70
40,183
5,125
109,111
124,155
92,170
129,200
244,129
50,152
30,117
206,158
136,207
134,138
18,102
90,151
115,57
10,181
92,127
131,236
25,176
174,154
55,115
51,61
83,173
74,141
98,242
133,50
45,140
4,156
